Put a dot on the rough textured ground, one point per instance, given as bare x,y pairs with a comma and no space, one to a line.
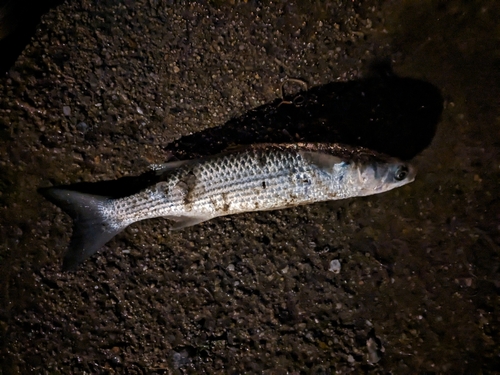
104,86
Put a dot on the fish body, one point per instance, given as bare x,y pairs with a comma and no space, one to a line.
255,178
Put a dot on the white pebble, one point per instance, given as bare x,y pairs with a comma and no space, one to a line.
334,266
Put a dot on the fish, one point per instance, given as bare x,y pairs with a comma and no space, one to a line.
257,177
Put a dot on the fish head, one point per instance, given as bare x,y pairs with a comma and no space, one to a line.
379,176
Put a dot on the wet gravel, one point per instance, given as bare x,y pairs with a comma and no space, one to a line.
401,282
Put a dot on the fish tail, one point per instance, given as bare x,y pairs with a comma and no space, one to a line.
92,228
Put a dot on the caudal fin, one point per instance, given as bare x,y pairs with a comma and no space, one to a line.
91,227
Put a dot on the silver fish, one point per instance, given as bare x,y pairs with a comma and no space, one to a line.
255,178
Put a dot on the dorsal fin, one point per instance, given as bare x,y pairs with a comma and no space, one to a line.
162,168
234,147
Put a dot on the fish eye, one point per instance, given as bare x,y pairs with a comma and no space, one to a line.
401,173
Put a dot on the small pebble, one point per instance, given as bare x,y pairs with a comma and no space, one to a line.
82,127
334,266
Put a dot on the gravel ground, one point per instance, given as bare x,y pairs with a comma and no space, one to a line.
406,281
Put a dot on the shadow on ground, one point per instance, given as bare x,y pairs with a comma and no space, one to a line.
393,115
390,114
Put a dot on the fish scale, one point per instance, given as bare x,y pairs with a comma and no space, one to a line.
232,184
255,178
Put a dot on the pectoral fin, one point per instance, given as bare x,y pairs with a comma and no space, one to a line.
322,160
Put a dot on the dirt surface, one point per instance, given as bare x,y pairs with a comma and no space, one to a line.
406,281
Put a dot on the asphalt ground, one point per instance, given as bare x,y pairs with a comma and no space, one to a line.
402,282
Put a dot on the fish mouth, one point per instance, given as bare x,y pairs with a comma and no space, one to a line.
412,173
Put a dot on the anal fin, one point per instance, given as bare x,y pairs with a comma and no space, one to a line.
181,222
